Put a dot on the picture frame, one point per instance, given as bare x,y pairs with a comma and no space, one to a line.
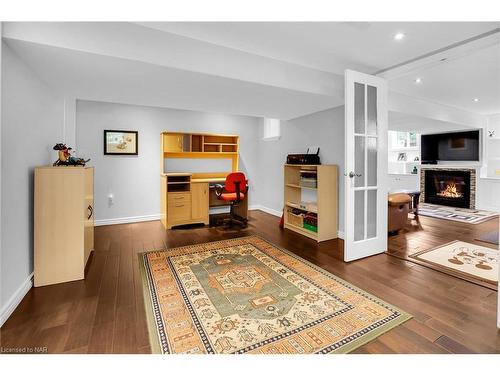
121,142
402,156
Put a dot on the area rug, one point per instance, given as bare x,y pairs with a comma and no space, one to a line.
463,215
490,237
246,295
465,260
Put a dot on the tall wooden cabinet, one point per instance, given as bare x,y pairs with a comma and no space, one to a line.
64,223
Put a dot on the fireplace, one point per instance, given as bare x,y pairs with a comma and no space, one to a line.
448,187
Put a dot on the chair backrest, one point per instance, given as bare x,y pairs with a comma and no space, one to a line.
232,178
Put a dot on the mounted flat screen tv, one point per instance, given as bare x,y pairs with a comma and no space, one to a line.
457,146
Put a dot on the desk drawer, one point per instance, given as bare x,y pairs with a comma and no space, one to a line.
179,211
179,197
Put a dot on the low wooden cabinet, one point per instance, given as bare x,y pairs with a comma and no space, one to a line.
183,201
63,223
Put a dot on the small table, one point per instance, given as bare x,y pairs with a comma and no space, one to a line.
415,199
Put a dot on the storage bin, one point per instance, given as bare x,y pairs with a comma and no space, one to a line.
297,220
310,227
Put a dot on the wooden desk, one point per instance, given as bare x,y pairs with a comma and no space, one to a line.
186,197
186,200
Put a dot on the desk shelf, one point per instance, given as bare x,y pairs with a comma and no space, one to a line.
198,145
301,187
297,206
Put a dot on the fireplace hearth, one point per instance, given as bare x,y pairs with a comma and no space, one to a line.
448,187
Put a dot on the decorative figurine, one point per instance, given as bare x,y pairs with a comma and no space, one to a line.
65,158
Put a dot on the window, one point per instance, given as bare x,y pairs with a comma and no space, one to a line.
271,129
403,140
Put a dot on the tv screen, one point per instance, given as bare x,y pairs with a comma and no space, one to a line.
459,146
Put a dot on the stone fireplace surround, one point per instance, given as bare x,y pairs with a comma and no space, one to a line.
472,172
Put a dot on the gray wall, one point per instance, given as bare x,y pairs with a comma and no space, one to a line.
31,124
323,129
135,180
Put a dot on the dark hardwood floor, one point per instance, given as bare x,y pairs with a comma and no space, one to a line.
105,312
426,233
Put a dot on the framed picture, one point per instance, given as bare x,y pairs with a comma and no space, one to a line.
402,156
121,142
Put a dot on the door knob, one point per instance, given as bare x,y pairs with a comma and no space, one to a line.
352,174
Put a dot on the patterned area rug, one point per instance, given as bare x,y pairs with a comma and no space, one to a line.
247,296
465,260
463,215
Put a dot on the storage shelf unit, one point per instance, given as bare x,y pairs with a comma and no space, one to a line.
326,200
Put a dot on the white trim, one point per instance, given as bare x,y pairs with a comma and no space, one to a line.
126,220
15,299
275,138
267,210
138,219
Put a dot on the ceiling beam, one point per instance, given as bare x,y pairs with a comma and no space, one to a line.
138,43
442,55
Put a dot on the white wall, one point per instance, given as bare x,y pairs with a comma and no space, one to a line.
135,180
323,129
31,124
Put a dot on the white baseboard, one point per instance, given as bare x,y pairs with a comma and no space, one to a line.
138,219
268,210
15,299
126,220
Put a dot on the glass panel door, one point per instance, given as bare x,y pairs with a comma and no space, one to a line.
366,165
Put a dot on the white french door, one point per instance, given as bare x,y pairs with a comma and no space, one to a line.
365,231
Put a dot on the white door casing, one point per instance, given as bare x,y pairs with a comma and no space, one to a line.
365,165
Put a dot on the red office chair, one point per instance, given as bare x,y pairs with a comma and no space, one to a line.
234,191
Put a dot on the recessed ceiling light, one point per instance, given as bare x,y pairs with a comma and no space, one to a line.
475,100
399,36
418,80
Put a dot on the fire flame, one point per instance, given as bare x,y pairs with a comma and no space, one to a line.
451,191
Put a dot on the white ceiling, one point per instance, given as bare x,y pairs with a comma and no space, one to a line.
281,70
331,46
96,77
421,124
459,81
